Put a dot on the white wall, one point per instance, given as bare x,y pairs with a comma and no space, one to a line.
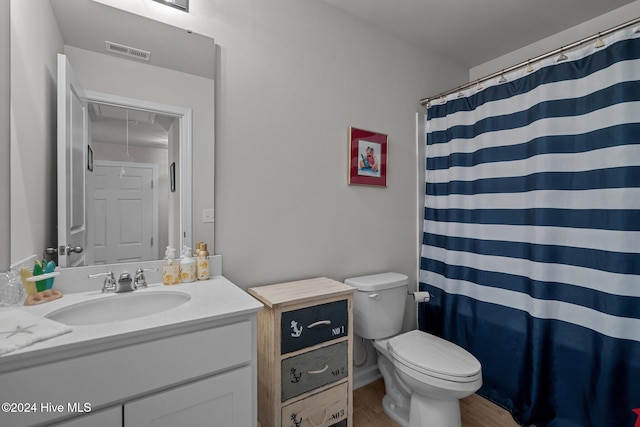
35,42
564,38
294,76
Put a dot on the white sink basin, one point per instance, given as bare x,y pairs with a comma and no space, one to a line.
117,307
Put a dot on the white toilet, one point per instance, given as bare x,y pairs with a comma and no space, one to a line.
424,376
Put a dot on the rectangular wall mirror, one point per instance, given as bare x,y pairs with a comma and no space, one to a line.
149,102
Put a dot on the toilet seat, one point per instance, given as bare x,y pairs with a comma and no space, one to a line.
434,357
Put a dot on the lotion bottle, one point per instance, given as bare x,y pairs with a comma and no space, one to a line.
171,268
187,266
203,262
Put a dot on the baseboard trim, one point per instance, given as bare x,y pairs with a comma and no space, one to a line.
364,376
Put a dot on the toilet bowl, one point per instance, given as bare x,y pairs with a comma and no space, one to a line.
425,376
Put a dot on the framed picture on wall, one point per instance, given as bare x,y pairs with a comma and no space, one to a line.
367,157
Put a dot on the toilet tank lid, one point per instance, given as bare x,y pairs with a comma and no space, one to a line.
378,282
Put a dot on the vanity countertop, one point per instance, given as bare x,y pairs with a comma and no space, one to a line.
212,302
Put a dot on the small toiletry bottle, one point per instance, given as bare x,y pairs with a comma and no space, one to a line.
187,266
203,262
170,269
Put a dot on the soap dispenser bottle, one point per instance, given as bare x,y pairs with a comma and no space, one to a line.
170,269
187,266
202,262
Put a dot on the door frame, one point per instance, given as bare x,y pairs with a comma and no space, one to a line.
184,115
71,163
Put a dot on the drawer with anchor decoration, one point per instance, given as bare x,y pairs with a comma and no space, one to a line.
308,371
312,325
305,350
327,408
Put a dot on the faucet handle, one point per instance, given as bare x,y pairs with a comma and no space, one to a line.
140,281
109,283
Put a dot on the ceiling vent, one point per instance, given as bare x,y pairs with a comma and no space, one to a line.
131,52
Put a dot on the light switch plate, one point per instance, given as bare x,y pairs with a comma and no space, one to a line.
208,215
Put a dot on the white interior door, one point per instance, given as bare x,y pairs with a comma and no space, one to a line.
126,212
73,137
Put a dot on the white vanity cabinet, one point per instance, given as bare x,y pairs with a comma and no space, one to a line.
111,417
220,400
197,370
215,401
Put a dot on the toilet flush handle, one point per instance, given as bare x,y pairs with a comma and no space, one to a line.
374,296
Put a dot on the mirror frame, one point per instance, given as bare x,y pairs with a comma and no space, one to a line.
184,178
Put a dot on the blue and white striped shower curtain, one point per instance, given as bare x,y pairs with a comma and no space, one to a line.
531,242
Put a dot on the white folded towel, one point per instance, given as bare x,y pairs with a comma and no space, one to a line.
19,329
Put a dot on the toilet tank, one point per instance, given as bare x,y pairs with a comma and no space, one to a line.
378,304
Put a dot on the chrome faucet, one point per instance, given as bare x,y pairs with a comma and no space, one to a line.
124,283
109,283
140,281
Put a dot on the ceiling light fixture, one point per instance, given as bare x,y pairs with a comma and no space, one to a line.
183,5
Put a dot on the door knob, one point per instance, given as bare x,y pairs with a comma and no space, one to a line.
69,250
76,249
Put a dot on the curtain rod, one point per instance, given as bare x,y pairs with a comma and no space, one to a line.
425,101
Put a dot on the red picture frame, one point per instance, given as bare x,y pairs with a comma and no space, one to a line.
368,154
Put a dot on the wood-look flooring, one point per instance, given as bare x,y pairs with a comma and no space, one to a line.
476,411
